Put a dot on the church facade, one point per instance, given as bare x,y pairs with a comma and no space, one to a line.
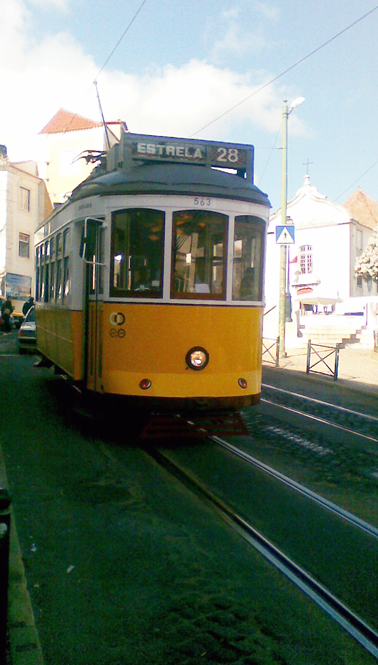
320,262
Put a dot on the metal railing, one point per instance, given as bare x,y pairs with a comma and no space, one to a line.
271,351
322,353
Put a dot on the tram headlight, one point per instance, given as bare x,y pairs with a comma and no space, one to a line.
197,358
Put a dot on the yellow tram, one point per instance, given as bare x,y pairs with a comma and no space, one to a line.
149,280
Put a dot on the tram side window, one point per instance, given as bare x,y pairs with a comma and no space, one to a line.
66,265
97,270
248,258
59,271
137,253
51,295
199,253
37,274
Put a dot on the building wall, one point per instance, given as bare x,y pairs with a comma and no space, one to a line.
24,203
57,160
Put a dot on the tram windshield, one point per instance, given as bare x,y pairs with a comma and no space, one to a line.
199,251
137,253
248,258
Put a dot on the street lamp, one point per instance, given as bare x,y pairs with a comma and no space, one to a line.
283,255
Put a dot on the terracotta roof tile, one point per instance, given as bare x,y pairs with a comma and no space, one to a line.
363,208
65,121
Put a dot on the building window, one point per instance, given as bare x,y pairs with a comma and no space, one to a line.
23,245
25,199
305,259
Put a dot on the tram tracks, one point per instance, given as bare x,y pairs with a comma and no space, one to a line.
319,411
354,520
324,597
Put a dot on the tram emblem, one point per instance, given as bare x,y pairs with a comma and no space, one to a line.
117,319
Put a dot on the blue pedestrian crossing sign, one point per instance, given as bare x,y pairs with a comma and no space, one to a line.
285,235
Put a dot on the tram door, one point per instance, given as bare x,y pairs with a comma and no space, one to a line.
92,251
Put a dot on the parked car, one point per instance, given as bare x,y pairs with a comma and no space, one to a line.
27,336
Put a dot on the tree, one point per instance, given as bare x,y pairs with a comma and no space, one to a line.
366,265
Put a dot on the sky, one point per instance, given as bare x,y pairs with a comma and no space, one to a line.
206,69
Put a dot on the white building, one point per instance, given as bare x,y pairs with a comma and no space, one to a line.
63,160
24,203
328,238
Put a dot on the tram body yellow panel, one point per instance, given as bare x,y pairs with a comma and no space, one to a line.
60,339
140,341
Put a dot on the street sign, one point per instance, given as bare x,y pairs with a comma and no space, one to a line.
285,235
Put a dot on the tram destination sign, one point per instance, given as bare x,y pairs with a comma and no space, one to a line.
189,151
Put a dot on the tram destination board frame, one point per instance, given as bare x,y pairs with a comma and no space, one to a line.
147,148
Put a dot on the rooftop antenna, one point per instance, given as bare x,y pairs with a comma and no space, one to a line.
102,116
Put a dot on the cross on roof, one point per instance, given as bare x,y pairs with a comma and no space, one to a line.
307,164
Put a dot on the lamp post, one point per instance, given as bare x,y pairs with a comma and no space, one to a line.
283,251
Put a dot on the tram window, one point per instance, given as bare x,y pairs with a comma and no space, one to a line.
37,282
97,270
248,258
59,246
66,278
52,281
66,243
58,285
137,253
66,287
45,284
199,251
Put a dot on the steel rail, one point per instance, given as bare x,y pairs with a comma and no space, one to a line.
335,608
319,420
321,402
294,485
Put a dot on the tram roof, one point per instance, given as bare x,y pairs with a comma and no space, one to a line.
170,179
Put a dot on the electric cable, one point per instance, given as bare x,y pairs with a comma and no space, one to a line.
289,69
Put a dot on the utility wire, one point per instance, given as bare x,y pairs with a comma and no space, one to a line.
286,71
359,178
107,60
121,38
270,157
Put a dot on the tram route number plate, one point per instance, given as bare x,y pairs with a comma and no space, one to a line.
191,152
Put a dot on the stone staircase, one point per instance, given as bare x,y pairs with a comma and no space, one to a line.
331,330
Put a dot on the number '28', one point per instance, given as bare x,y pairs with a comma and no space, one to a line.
228,155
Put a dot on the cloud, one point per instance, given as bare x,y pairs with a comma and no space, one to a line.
235,39
62,5
42,77
267,10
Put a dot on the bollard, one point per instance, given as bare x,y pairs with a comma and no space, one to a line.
5,502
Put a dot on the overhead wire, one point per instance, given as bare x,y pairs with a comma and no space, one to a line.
75,115
289,69
121,38
355,181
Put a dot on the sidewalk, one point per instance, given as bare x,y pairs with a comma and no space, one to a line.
356,366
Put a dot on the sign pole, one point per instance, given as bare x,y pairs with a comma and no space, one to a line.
283,269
